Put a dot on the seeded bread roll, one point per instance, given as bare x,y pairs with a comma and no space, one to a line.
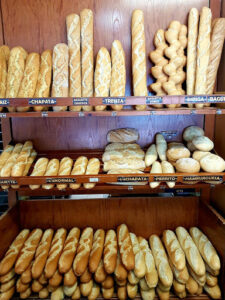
187,165
203,143
110,251
212,163
97,249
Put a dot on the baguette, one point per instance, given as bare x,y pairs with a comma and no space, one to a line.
100,274
5,155
8,276
39,170
132,290
8,294
79,168
7,285
122,292
162,295
36,287
64,169
55,252
108,283
181,276
97,249
6,51
156,168
56,279
28,251
69,290
143,284
201,280
60,83
213,292
30,160
118,78
76,295
161,146
120,271
151,155
42,254
121,282
124,163
20,287
69,278
107,293
110,251
148,295
26,294
69,250
42,279
86,276
132,278
95,291
211,280
139,267
83,251
93,168
3,74
57,294
85,288
191,286
191,251
125,246
161,261
26,276
43,293
51,170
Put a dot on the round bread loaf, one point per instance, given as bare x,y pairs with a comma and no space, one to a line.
198,155
203,143
212,163
177,151
191,147
191,132
187,165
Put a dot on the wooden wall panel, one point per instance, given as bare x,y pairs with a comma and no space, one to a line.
90,133
144,216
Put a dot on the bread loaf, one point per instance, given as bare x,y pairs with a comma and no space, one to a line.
86,276
110,251
139,267
216,47
108,283
203,143
125,246
7,285
121,146
122,292
176,152
44,293
26,294
76,295
124,153
174,249
139,56
8,294
39,170
64,169
120,271
148,295
205,248
167,167
107,293
20,287
60,83
156,168
213,292
93,168
30,160
187,165
181,276
161,261
58,294
69,278
69,290
191,132
5,155
79,168
151,155
132,278
123,135
85,288
87,54
102,75
211,280
97,249
127,171
212,163
95,291
36,286
124,163
191,251
69,250
73,38
26,276
30,77
132,290
55,252
44,78
118,77
100,273
8,276
83,251
3,74
42,279
161,146
51,170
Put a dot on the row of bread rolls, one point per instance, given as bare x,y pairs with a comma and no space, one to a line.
84,263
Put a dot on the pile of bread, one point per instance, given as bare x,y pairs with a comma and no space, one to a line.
204,41
90,263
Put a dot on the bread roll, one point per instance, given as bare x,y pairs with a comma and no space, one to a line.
87,56
107,293
151,275
139,267
211,280
124,163
187,165
176,152
123,135
205,248
118,78
55,252
28,251
64,169
8,276
156,168
79,168
121,146
44,293
83,251
110,251
76,295
139,56
5,155
161,261
198,155
69,278
85,288
26,294
93,168
42,254
16,67
122,292
203,143
120,271
26,276
69,290
123,153
167,167
161,146
44,78
213,292
148,295
30,77
51,170
108,283
191,132
97,249
151,155
30,160
174,249
21,287
39,170
69,250
58,294
191,251
102,75
193,19
212,163
216,47
86,276
60,84
132,290
125,246
36,286
7,285
73,38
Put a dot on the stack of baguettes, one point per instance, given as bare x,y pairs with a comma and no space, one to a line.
86,263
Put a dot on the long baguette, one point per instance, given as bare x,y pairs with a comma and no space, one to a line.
79,168
139,267
97,249
39,170
64,169
110,251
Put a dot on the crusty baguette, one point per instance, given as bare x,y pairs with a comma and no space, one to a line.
69,278
95,291
3,74
44,293
26,276
100,274
76,295
83,251
57,294
79,168
21,287
181,276
51,170
8,294
64,169
42,279
139,267
55,252
110,251
125,246
30,160
97,249
28,251
85,288
122,292
8,276
7,285
69,290
93,168
132,278
42,254
26,294
69,250
39,170
108,283
5,155
36,286
86,276
56,279
132,290
107,293
211,280
148,295
213,292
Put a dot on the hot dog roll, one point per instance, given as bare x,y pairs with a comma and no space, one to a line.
79,168
56,279
30,77
139,267
64,169
69,250
118,78
51,170
69,278
93,168
39,170
97,249
110,251
100,274
42,254
83,251
28,251
60,84
55,252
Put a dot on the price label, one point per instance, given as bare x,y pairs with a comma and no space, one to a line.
4,102
60,180
8,181
165,178
114,100
81,114
114,113
42,101
94,179
216,99
80,101
169,134
132,179
195,99
203,178
3,115
154,100
44,114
